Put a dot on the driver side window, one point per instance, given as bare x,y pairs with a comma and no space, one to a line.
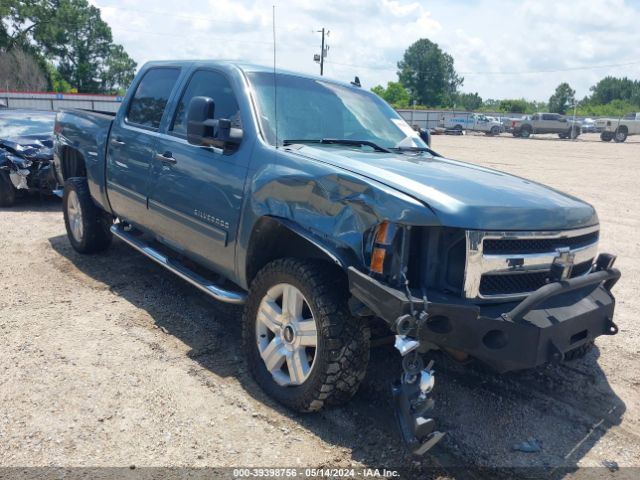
206,83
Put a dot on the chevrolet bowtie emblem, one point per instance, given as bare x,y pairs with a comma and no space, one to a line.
562,264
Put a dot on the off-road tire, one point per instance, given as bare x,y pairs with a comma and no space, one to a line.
342,353
495,130
606,136
7,191
579,352
96,222
620,136
525,132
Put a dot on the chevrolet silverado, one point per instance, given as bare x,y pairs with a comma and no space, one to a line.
316,206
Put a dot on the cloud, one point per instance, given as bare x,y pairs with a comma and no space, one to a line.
367,38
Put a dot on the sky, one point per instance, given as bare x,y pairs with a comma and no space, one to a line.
503,49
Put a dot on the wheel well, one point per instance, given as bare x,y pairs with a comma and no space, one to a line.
72,163
271,240
623,128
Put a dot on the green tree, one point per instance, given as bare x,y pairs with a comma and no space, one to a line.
469,101
562,99
395,94
428,74
72,35
514,105
612,88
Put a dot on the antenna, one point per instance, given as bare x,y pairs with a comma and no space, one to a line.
275,88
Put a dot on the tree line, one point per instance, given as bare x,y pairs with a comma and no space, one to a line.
427,79
62,46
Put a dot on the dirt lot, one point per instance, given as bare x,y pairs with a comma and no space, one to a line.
109,360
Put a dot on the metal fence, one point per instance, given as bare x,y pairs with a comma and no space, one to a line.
56,101
441,118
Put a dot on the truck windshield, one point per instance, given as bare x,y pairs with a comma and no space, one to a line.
313,109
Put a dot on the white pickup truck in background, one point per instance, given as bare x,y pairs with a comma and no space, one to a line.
476,122
618,129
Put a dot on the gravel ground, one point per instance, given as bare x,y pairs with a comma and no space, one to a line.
108,360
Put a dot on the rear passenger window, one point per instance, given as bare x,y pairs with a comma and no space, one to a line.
205,83
147,105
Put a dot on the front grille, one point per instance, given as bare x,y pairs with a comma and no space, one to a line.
536,245
522,282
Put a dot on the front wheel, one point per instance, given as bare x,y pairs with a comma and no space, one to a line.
7,191
302,345
574,132
88,226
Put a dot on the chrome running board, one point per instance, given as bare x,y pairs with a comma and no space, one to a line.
220,294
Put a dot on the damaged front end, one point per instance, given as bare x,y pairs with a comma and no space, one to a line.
28,163
418,280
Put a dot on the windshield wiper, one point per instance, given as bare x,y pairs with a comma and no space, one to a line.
339,141
415,149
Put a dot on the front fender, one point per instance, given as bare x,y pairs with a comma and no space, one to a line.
330,207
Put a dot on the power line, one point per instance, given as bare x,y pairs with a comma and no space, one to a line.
567,69
557,70
170,14
175,35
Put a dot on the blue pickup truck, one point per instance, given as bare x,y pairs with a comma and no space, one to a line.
312,203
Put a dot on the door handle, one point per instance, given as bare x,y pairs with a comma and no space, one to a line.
166,157
116,142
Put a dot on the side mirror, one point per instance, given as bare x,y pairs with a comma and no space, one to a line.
203,129
425,135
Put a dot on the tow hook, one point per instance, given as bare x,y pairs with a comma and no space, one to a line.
411,395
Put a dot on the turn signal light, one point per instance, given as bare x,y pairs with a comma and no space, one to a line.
377,260
382,238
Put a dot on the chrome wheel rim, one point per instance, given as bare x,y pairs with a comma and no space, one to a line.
74,214
286,335
619,136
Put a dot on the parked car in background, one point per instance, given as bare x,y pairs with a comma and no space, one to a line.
508,122
588,126
475,122
546,123
26,153
618,129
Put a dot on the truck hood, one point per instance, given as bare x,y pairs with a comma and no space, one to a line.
465,195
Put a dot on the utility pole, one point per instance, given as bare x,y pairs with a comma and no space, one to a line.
323,51
322,54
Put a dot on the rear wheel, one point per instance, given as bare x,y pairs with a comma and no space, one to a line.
525,132
302,345
621,135
495,130
88,226
7,190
